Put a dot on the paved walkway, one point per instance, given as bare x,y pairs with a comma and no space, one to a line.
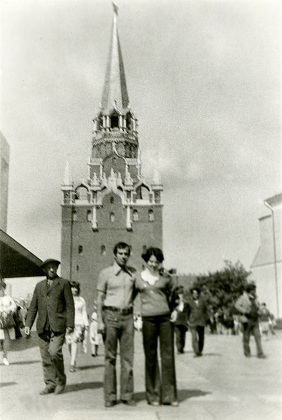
221,385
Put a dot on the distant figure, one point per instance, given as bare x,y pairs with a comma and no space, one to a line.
94,337
249,309
155,288
198,316
116,285
181,322
138,322
264,318
7,332
81,324
52,303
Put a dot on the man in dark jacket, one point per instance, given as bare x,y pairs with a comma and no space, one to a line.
53,304
198,315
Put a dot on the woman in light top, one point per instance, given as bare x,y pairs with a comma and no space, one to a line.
81,324
155,288
7,332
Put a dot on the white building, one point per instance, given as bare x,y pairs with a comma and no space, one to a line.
266,266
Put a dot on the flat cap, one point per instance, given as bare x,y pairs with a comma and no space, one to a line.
50,260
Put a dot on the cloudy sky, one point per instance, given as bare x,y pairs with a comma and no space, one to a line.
204,81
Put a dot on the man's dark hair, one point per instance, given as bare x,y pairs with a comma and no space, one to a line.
157,252
195,288
75,285
121,245
251,287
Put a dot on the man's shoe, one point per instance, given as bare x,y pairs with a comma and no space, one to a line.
174,404
109,404
59,389
130,403
154,403
46,391
262,356
248,355
72,368
5,361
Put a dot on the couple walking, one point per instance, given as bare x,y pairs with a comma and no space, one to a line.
117,287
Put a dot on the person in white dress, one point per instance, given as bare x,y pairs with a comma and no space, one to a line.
81,324
94,337
7,332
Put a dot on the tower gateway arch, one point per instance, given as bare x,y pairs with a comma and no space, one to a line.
115,203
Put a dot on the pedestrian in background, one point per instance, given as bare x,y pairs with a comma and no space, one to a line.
52,303
7,311
94,337
155,287
264,318
116,285
81,324
198,316
248,306
181,322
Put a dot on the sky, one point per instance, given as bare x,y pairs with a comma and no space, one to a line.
204,80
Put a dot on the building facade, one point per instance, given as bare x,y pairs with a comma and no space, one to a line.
114,203
4,181
267,264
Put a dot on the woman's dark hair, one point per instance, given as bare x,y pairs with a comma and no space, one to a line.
75,285
157,252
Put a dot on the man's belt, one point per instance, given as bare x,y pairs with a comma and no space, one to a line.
125,311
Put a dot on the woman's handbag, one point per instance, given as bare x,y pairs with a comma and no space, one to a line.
7,320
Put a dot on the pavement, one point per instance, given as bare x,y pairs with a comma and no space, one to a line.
221,385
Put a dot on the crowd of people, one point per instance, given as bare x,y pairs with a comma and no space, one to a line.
167,312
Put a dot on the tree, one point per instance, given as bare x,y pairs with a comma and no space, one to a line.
223,287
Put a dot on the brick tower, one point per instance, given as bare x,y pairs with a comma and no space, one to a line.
115,203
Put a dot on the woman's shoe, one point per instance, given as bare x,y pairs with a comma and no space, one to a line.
72,368
174,404
5,361
154,403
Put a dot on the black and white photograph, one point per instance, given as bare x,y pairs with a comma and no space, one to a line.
140,209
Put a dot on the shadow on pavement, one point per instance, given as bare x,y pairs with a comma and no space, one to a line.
26,362
24,343
185,394
85,385
7,384
212,354
90,367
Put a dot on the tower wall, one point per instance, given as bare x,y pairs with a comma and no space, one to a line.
97,246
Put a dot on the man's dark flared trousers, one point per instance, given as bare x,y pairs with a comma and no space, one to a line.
118,328
51,345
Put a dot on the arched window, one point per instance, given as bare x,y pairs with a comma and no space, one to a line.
150,215
112,217
112,200
114,121
135,216
81,193
80,249
89,216
103,250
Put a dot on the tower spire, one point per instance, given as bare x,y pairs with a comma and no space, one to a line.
115,90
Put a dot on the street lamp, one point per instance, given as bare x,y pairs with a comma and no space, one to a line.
274,251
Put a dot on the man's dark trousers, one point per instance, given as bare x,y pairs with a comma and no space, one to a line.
120,328
50,345
198,337
249,329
